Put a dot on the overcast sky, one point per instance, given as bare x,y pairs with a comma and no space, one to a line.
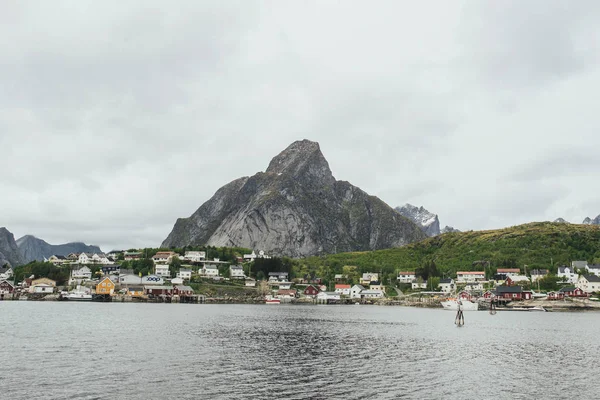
117,117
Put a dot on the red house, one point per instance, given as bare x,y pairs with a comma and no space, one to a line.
6,287
159,290
311,291
571,291
556,296
512,292
489,294
464,295
183,291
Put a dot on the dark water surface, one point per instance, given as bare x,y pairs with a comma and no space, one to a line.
191,351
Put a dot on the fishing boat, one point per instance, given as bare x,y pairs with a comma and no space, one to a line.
272,300
78,294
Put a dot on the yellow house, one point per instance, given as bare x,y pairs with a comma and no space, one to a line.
106,286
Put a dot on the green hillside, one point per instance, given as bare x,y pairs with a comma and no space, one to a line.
535,245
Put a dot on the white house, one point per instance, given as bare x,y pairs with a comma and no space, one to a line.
517,279
470,276
342,289
371,294
328,296
100,258
84,258
418,284
129,279
6,272
210,271
355,291
163,257
278,276
474,286
194,256
569,273
177,281
406,276
58,260
447,285
80,275
162,270
594,269
185,273
236,272
250,282
575,265
252,256
589,283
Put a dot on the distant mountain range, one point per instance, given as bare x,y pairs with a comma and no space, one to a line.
29,248
295,208
586,221
427,221
32,248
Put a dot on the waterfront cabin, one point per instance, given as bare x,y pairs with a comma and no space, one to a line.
328,297
135,291
355,291
156,290
342,289
371,294
311,291
556,296
286,294
589,283
406,276
42,285
105,287
511,292
571,291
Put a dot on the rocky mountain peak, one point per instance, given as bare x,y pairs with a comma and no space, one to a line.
302,158
589,221
9,252
561,221
428,221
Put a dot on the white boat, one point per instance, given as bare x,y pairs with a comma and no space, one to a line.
465,305
78,295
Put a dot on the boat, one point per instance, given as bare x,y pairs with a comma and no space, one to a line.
465,305
78,295
272,300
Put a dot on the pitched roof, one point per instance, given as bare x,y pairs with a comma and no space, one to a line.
539,272
507,270
508,289
594,266
341,286
566,289
592,278
471,273
447,280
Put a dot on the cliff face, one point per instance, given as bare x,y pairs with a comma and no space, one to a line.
295,208
34,249
429,222
9,252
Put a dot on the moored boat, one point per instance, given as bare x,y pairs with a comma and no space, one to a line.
78,295
272,300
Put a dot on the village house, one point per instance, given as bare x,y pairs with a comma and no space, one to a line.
42,285
594,269
579,265
159,290
568,273
572,291
105,287
447,285
355,291
538,274
100,258
342,289
210,271
80,275
6,273
405,276
377,286
135,291
249,282
328,297
369,277
508,271
183,291
371,294
470,276
286,294
6,287
162,270
589,283
555,296
58,260
418,284
278,276
236,272
184,273
73,257
474,287
129,279
176,281
512,292
132,255
311,291
194,256
252,256
164,257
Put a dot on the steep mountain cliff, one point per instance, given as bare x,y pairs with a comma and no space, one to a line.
9,252
32,248
429,222
295,208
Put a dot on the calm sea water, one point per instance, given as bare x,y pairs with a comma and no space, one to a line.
189,351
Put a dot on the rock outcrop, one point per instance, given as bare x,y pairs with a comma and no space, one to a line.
34,249
561,221
9,252
295,208
449,229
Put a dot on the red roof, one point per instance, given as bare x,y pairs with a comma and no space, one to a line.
504,270
340,286
470,273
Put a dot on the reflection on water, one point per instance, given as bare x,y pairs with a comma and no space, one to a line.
164,351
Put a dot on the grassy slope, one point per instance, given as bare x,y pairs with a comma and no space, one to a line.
535,245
